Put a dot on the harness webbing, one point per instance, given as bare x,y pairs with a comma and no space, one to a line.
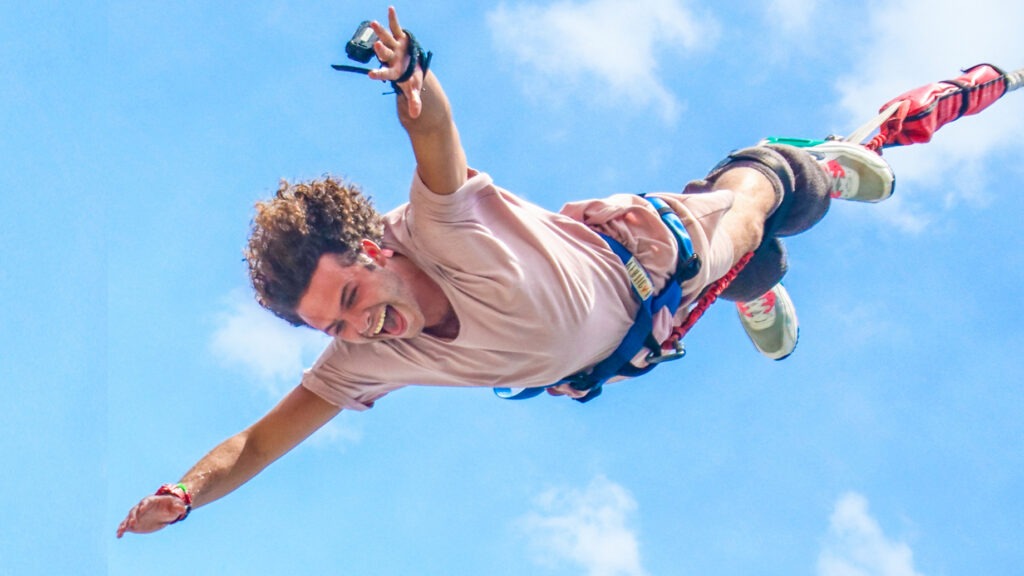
639,336
709,297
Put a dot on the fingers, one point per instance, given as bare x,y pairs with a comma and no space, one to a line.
396,28
566,390
125,524
384,37
392,42
151,514
393,37
415,100
390,71
392,49
384,54
129,523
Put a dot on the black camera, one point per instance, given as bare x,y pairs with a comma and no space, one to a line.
360,47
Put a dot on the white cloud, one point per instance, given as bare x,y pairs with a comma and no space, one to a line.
267,348
337,433
916,42
588,527
274,354
601,50
791,16
856,545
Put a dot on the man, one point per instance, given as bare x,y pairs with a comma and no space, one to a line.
468,285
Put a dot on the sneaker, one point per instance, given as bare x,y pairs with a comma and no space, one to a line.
854,172
770,322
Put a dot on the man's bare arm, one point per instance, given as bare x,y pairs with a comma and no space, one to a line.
424,111
236,460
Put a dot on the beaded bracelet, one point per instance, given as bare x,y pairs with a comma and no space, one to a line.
181,492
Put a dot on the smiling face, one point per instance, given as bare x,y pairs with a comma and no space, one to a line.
364,301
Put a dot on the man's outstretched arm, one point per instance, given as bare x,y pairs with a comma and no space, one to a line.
424,111
236,460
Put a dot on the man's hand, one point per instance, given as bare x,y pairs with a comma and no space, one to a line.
566,390
440,159
392,49
152,514
234,461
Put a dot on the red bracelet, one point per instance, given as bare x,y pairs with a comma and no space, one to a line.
181,491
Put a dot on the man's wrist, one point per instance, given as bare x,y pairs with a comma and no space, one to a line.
181,492
417,58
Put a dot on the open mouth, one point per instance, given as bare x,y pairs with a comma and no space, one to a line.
389,323
380,323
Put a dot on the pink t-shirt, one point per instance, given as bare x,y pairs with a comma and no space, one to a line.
539,295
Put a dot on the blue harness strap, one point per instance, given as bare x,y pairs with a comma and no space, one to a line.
689,263
519,393
639,336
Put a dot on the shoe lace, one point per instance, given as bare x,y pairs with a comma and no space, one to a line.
760,308
838,183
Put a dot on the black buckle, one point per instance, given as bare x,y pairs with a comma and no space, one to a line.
660,356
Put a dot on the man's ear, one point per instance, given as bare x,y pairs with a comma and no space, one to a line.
376,253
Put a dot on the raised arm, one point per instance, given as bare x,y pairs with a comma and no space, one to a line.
423,109
236,460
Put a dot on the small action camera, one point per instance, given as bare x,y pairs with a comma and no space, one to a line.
360,47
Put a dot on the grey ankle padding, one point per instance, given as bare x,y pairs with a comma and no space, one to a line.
769,163
764,270
803,199
811,198
800,185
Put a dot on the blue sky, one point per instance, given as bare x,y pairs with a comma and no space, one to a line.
136,137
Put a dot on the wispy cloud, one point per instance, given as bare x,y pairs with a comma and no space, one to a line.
274,355
791,16
857,546
267,348
339,434
589,527
915,42
601,50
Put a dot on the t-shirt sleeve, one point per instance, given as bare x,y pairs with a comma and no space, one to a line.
455,207
335,386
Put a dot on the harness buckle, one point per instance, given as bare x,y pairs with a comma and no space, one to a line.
678,351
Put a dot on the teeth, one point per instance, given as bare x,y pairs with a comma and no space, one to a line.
380,323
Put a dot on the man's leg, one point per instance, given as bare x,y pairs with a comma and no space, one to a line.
760,180
756,199
806,180
801,195
802,183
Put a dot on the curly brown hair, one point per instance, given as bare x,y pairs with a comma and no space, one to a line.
301,223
